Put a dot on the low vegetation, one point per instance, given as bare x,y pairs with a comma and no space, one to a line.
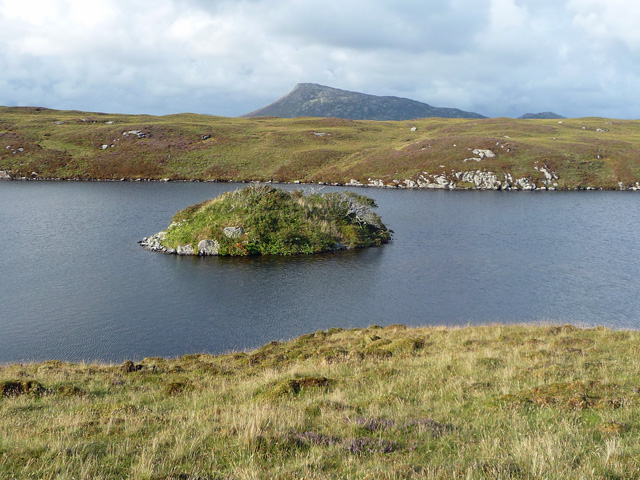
583,153
263,220
489,402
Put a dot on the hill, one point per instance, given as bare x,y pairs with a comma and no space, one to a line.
541,116
494,402
492,153
312,100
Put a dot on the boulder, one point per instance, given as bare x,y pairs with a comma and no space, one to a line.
483,153
184,250
233,232
134,133
208,247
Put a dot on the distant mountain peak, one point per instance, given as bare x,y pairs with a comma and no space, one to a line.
314,100
540,116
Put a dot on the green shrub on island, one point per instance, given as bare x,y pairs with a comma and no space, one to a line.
263,220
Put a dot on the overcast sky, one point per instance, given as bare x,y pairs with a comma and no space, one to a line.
495,57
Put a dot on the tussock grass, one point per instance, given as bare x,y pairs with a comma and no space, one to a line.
586,152
494,402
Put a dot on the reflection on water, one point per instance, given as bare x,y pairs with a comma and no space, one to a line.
75,284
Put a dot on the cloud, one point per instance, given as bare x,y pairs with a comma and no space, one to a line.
497,57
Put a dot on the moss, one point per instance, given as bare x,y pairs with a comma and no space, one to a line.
293,387
69,390
177,387
576,395
11,388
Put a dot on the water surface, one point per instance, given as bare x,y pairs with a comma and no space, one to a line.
75,285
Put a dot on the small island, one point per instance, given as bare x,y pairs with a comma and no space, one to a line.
264,220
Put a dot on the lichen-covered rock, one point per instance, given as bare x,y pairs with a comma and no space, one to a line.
233,232
185,250
208,247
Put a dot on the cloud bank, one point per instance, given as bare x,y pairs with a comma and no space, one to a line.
223,57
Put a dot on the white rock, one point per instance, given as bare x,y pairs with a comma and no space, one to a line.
134,133
484,153
184,250
208,247
233,232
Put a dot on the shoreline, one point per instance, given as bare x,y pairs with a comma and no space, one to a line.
541,325
631,188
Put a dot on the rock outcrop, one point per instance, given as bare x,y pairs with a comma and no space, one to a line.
154,244
474,179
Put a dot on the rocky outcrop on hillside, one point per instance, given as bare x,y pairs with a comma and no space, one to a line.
312,100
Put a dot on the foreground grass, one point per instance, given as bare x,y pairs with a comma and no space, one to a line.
582,153
549,402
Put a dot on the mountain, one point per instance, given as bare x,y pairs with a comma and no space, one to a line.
313,100
541,115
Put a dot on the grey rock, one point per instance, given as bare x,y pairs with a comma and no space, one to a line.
481,180
134,133
484,153
4,175
208,247
184,250
233,232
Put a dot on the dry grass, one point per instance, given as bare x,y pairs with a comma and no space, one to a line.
496,402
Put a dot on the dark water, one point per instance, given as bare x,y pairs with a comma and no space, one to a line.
75,285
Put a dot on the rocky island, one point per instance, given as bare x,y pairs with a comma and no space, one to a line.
264,220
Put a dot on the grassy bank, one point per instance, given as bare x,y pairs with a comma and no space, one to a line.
551,402
581,153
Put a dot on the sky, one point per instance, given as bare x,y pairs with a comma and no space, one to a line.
577,58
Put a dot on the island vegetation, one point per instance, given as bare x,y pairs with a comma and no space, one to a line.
493,153
264,220
484,402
